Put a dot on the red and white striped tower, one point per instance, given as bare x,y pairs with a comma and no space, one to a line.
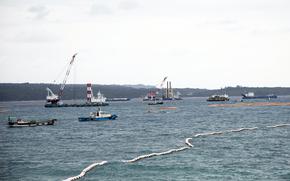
89,92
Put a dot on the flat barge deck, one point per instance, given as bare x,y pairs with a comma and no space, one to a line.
30,123
75,105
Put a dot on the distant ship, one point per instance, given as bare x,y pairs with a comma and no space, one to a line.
100,100
169,93
224,97
118,99
151,96
251,95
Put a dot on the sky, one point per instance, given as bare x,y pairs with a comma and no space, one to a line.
196,43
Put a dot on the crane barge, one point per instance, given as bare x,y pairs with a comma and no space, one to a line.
54,100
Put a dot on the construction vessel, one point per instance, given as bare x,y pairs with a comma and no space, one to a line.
169,94
153,94
54,100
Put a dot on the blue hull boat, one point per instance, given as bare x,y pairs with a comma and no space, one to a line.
262,97
98,116
101,118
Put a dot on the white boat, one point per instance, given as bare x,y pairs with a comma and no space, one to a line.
223,97
100,100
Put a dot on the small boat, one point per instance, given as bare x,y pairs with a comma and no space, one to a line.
100,100
224,97
98,116
29,123
155,103
251,95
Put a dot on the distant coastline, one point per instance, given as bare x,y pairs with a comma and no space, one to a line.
33,91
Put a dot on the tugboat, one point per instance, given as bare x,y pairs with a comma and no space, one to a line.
98,116
29,123
224,97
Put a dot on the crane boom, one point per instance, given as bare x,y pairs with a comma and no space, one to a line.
66,75
161,84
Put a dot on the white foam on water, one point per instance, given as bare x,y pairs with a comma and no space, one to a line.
242,129
278,125
155,154
83,173
187,142
253,128
209,133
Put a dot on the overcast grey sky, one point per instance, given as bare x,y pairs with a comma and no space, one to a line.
196,43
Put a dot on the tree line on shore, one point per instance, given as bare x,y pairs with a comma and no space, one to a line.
32,91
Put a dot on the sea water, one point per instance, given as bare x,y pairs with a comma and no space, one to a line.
238,143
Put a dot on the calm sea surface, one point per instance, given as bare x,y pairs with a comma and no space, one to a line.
65,149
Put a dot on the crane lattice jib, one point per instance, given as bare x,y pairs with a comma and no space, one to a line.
66,76
162,83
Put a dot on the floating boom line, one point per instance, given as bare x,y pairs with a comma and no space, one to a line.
188,146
